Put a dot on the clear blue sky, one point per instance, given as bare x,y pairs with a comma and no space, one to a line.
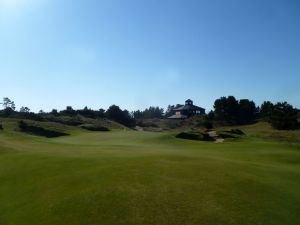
138,53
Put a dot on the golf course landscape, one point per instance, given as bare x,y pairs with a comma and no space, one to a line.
149,112
131,177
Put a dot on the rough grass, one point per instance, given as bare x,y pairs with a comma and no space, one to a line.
129,177
81,120
93,127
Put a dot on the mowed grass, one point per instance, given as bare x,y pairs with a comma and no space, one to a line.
130,177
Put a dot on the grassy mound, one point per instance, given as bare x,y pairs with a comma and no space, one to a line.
93,127
264,131
81,120
67,120
39,131
231,133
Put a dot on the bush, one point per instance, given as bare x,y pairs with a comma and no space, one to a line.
208,124
1,126
233,133
121,116
236,131
198,136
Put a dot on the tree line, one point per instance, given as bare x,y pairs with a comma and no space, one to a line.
226,109
235,112
113,112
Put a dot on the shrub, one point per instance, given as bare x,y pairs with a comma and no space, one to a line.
236,131
208,124
191,135
233,133
121,116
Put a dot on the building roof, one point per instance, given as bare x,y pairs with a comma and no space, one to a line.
188,107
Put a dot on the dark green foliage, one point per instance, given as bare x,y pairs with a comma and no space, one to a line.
91,127
227,109
86,112
30,116
54,112
40,131
232,133
26,114
284,116
150,113
8,107
266,109
100,113
22,125
121,116
69,111
137,114
236,131
225,135
230,110
247,111
24,109
207,123
170,110
69,116
211,115
67,120
1,126
192,135
8,104
7,112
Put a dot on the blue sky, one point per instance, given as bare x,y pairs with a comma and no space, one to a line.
138,53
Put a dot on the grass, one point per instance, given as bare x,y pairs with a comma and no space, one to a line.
130,177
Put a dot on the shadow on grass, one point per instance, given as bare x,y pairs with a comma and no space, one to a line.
39,131
94,128
196,136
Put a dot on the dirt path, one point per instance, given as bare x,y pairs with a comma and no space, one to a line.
138,128
213,134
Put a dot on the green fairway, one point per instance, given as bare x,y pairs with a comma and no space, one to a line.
128,177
